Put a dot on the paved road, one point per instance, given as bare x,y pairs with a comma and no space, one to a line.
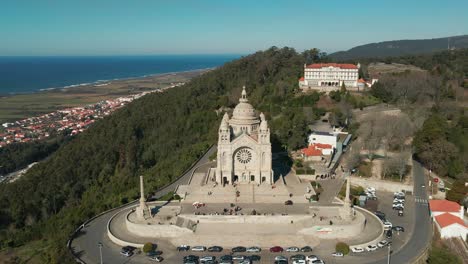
86,244
422,231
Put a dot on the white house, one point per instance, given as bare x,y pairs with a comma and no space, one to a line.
439,207
329,76
451,226
317,137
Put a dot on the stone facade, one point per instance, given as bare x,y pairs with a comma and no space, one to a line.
329,76
244,148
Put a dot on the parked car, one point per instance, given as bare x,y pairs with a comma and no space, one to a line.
226,258
297,257
238,257
380,215
245,261
306,249
191,258
337,254
311,258
239,249
396,200
154,253
387,225
318,261
215,249
157,258
207,258
127,253
398,228
400,213
183,248
382,243
357,249
288,202
292,249
199,248
389,234
398,206
281,258
254,249
276,249
371,248
299,261
254,258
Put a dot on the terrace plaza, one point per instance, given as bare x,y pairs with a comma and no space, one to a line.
243,199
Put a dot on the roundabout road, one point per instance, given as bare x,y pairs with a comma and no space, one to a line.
85,244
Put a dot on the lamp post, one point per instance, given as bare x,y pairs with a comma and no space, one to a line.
389,251
100,250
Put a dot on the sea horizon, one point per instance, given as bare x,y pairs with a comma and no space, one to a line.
31,74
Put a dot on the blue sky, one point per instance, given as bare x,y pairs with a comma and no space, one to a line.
133,27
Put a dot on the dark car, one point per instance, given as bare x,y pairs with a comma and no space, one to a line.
398,228
306,249
288,202
239,249
281,262
128,248
215,249
255,258
380,214
191,258
298,257
276,249
226,258
398,208
154,253
389,234
183,248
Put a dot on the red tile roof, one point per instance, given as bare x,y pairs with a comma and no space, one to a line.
311,151
301,79
444,206
337,65
322,146
447,219
361,80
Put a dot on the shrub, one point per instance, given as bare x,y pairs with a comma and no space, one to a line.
148,247
342,247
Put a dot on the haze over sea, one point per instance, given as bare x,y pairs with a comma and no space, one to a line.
32,74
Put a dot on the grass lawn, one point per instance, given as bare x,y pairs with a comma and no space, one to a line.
365,169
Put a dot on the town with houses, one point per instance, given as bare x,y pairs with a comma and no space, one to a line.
70,121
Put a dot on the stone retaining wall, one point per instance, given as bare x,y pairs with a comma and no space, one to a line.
154,230
378,238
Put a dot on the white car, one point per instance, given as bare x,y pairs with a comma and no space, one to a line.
387,225
299,261
396,200
199,248
370,189
371,248
382,243
254,249
311,258
292,249
400,205
357,249
238,257
337,254
278,258
207,258
126,253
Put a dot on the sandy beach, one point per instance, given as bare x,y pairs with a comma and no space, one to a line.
20,106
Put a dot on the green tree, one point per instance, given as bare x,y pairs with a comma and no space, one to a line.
342,247
148,247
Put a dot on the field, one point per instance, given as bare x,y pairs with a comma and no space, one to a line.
22,106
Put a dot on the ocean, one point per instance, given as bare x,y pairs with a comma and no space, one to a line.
32,74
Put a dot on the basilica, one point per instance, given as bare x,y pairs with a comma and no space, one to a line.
244,148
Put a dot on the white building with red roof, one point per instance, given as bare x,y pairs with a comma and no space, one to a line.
329,76
439,207
448,218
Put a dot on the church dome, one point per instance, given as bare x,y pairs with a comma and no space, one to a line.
244,111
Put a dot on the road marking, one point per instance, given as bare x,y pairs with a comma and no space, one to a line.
421,200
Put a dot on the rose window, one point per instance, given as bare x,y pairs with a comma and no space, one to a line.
244,156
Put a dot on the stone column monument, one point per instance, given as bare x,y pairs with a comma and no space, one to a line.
346,211
142,211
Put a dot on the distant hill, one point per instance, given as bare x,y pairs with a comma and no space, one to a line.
401,47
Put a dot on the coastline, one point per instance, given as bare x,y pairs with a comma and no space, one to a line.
19,106
106,81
